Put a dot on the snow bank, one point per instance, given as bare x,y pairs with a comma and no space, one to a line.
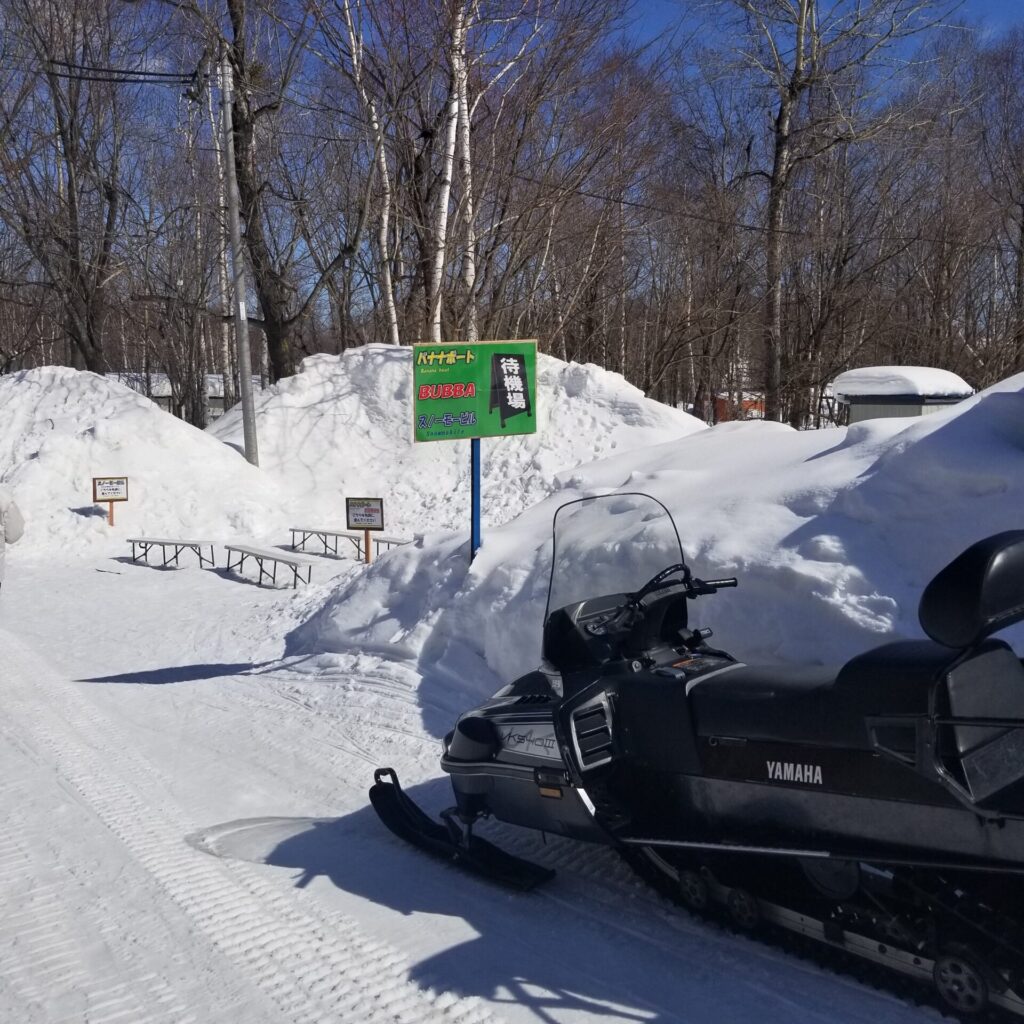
343,426
59,428
900,380
833,534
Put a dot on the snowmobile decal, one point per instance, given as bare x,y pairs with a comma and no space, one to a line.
537,740
786,771
850,772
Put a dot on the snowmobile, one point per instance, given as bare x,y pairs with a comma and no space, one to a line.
877,807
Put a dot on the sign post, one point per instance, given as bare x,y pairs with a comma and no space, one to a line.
474,497
365,514
109,489
470,390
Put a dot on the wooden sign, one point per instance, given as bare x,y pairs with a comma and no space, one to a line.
109,489
365,514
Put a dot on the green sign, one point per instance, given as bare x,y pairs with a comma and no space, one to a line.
483,389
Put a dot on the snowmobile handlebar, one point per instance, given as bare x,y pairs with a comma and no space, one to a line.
710,586
625,615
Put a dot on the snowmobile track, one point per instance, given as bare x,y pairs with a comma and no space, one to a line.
832,959
313,966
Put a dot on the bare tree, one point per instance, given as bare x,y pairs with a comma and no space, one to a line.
820,62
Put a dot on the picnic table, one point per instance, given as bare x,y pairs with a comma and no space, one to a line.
329,538
272,557
171,550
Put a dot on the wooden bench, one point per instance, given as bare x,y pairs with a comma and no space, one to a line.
171,550
301,535
264,556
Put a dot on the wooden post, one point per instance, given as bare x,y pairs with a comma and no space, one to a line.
366,546
110,514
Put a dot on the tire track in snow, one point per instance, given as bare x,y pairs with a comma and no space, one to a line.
314,966
85,972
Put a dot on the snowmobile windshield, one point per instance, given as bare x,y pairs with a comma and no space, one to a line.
612,544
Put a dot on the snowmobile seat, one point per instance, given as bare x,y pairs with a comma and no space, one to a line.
820,705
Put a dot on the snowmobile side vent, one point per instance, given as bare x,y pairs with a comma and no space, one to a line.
592,732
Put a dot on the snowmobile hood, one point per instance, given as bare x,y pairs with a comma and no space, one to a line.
979,592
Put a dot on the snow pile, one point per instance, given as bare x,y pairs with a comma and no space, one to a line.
833,534
900,380
343,427
59,428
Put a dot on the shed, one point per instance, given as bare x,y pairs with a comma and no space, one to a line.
157,386
874,391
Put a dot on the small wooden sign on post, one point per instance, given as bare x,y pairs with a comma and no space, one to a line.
109,489
365,514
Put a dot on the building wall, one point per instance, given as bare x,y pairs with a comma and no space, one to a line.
870,411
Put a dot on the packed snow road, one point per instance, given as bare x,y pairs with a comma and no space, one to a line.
189,840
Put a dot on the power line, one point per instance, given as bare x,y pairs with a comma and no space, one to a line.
115,76
77,72
142,73
689,215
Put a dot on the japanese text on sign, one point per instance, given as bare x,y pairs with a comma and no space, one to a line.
110,488
466,390
364,513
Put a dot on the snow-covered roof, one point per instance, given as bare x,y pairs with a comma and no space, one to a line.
921,381
160,384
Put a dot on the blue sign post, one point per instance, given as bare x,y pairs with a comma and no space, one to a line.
474,472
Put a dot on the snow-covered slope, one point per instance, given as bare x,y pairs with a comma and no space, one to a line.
832,533
60,427
343,426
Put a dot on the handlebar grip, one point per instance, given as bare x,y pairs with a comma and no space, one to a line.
719,584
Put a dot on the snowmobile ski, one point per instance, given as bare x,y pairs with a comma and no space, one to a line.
447,840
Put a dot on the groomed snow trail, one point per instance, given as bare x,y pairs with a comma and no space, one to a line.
190,840
311,966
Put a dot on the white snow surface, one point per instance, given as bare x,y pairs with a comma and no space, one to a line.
185,758
61,427
900,380
832,533
342,426
187,839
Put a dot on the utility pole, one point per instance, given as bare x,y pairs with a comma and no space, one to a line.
238,269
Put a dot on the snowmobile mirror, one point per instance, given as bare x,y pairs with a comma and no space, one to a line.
979,592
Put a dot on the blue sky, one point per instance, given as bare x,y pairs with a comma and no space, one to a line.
994,15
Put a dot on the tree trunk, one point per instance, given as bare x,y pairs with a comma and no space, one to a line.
440,232
468,208
774,242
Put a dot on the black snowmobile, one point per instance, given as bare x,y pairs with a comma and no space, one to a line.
877,807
